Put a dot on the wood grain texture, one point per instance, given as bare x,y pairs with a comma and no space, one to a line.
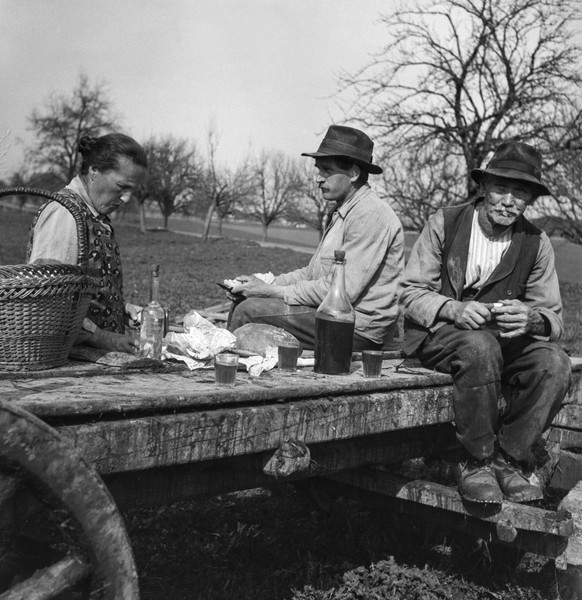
508,514
160,392
573,553
155,441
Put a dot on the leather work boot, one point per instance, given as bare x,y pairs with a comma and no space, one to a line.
514,483
477,482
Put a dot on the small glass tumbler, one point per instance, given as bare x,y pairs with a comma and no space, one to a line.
372,363
225,366
287,357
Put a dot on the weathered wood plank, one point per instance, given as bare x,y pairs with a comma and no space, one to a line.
575,392
570,416
568,471
519,516
567,438
133,444
169,484
530,541
573,552
50,581
126,393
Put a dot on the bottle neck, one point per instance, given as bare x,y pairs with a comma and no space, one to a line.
338,276
154,289
336,304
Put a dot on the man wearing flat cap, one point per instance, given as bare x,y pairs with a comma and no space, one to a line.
481,301
361,224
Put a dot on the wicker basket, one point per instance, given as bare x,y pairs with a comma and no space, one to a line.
42,306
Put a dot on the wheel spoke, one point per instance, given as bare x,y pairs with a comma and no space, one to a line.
50,581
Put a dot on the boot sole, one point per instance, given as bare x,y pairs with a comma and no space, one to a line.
480,500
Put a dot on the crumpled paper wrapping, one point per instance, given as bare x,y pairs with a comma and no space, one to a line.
256,364
199,343
202,341
266,277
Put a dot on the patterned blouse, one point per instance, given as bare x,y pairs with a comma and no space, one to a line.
107,307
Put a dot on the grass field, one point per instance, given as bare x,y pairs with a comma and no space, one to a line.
278,544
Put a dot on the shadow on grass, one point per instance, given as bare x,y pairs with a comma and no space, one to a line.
277,544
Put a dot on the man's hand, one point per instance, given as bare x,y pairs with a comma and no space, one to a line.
253,287
513,318
466,315
115,342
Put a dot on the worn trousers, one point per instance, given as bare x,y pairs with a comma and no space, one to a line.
532,376
297,320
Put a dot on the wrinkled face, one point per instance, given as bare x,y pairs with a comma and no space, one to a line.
505,200
109,189
334,182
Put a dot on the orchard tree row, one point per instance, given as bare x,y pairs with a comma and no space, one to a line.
454,79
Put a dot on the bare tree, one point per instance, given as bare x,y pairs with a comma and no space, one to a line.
174,170
308,207
432,186
459,76
564,176
142,195
61,123
222,188
277,184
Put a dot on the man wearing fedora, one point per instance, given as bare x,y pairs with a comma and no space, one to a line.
361,224
481,301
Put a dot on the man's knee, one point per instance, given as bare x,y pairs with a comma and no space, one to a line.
556,365
479,349
244,312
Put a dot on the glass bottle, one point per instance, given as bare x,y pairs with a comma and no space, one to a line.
152,320
334,325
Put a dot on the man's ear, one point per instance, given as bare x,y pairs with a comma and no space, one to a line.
354,173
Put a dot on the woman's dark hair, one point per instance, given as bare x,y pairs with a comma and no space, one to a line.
105,151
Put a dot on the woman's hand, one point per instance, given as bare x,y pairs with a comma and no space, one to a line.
115,342
133,311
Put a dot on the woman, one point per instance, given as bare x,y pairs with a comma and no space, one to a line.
112,167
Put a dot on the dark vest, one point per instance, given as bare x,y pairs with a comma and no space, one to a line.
107,307
508,280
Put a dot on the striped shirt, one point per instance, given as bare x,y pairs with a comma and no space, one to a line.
484,254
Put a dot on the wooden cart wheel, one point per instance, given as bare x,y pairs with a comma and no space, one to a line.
55,470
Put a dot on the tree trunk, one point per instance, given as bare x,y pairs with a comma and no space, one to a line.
166,217
142,218
208,221
219,224
265,232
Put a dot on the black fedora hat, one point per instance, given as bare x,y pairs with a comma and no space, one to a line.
350,143
515,160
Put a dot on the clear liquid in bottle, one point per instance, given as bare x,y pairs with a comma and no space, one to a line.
152,320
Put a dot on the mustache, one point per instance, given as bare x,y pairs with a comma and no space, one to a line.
511,213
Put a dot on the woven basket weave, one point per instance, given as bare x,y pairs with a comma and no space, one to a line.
42,306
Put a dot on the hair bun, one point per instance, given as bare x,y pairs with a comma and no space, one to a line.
86,144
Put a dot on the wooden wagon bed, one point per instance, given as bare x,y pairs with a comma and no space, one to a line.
162,435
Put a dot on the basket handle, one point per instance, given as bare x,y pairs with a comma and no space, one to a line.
79,219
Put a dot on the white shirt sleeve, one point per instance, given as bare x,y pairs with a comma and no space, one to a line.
55,236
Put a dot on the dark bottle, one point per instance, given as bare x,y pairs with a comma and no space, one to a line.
152,320
334,325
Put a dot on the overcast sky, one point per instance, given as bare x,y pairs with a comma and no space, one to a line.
263,71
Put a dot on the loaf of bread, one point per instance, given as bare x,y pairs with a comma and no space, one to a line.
257,337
